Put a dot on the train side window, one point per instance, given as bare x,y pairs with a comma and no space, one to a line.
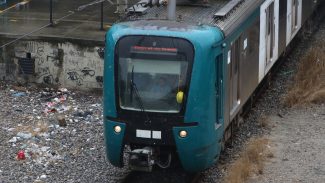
234,74
253,40
270,33
294,15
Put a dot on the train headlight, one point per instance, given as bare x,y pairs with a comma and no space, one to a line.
117,129
183,134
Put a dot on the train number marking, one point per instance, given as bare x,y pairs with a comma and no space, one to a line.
143,134
148,134
156,134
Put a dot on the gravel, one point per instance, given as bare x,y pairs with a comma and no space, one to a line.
297,142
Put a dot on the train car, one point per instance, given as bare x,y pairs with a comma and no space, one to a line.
173,87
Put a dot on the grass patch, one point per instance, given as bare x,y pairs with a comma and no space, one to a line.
251,161
309,82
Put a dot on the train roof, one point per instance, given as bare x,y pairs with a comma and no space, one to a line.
225,14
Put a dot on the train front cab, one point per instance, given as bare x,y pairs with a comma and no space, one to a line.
188,120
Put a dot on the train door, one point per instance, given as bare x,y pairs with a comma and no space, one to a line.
269,31
294,10
233,60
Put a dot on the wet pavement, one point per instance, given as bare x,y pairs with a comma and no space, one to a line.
19,17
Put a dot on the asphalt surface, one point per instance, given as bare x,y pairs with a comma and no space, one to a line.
19,17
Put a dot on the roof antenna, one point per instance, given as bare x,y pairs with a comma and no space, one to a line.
171,9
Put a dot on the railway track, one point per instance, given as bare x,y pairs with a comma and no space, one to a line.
171,176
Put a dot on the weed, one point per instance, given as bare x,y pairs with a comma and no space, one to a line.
251,161
264,121
309,82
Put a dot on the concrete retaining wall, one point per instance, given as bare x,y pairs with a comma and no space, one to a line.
59,64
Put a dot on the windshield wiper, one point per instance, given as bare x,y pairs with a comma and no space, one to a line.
135,88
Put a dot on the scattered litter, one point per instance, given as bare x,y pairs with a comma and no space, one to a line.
24,135
44,149
43,176
48,128
11,129
62,121
21,155
13,140
96,105
19,94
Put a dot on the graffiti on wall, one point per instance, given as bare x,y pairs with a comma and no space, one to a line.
63,63
78,75
44,74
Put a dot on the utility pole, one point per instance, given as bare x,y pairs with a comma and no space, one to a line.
51,12
102,15
171,7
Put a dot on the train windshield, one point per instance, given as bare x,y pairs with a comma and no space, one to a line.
152,72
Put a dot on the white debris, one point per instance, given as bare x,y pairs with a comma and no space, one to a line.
13,140
24,135
63,90
45,148
43,176
56,100
11,129
45,135
96,105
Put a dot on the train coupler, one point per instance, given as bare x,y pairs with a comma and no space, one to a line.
141,159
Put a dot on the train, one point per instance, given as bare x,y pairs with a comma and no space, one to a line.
175,83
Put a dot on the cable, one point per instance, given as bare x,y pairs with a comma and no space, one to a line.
36,30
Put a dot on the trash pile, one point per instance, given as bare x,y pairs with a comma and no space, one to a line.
48,128
55,100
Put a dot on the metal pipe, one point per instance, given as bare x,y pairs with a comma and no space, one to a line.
171,9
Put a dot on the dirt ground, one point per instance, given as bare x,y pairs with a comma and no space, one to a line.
297,141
